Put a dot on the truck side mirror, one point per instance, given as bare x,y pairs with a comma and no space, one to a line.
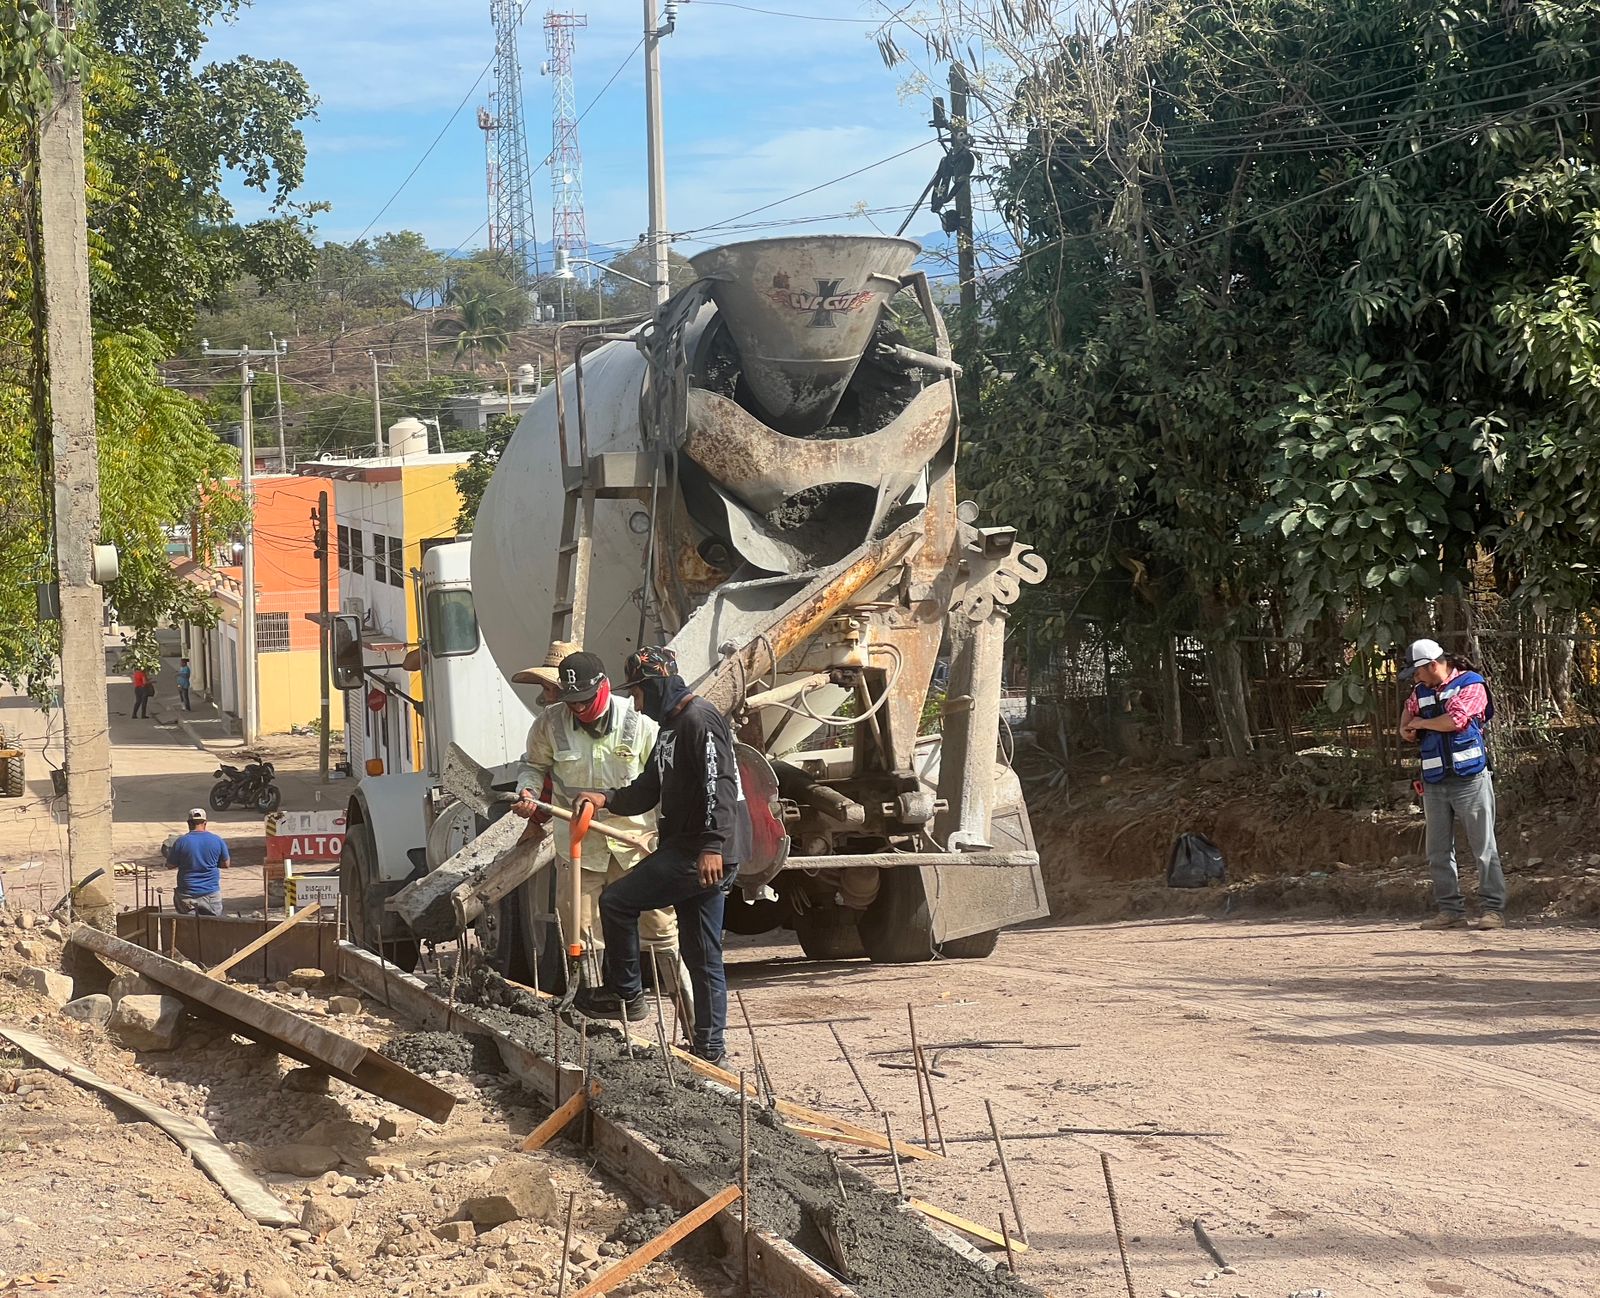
347,656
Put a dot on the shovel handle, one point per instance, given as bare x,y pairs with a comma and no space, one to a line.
579,827
561,813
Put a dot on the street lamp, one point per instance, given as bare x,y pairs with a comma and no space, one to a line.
565,262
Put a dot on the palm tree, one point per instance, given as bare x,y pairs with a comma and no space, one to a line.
482,327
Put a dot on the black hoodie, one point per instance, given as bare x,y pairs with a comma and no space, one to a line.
693,777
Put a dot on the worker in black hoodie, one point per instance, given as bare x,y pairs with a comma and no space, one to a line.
693,777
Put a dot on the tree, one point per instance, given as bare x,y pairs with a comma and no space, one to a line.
1301,322
407,269
160,127
472,478
623,297
483,326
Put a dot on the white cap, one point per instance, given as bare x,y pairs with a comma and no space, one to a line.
1424,651
197,813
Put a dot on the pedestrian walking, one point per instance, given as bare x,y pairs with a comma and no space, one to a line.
199,857
693,777
141,700
185,676
1445,714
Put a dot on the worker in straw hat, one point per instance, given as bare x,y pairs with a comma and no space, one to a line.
587,736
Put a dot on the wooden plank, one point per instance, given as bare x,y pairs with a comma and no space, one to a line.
639,1259
966,1227
194,1135
289,1034
552,1126
216,971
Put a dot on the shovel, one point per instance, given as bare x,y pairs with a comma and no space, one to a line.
579,826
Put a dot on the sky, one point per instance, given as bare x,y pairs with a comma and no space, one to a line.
757,105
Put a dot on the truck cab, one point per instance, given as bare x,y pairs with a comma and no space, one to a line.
399,826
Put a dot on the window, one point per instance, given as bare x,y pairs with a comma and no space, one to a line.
452,623
355,550
397,562
344,548
380,557
272,633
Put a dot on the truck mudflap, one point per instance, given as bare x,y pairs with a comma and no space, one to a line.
963,900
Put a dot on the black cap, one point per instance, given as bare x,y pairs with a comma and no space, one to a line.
652,660
578,677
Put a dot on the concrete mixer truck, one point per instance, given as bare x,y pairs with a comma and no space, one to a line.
762,474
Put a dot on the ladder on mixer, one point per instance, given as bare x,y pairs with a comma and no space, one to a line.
570,610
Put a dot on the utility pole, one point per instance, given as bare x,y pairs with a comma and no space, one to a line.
320,518
966,261
656,236
279,347
377,408
250,681
75,451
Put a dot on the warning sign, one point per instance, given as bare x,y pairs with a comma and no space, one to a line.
305,835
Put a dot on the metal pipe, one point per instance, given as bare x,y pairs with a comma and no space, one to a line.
1005,1171
744,1181
783,693
894,1157
1116,1222
566,1246
854,1071
916,1058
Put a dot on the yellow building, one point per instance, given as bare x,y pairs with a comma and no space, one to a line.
386,512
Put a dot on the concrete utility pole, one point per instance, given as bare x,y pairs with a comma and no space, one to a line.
377,408
966,261
279,347
249,678
76,455
656,236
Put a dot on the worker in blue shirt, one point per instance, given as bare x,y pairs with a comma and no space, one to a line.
199,857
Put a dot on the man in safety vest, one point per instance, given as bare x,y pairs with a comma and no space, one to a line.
588,737
1445,715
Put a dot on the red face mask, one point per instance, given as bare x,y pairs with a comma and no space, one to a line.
595,708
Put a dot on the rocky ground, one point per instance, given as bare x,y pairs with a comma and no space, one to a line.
388,1203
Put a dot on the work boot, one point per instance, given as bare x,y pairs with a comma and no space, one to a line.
603,1003
1490,919
1444,919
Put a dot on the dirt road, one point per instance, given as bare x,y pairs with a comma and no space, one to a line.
1401,1113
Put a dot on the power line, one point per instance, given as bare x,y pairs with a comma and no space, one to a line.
779,13
428,152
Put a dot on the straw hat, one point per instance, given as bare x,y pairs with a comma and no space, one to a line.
545,673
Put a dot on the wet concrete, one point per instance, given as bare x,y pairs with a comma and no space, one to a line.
444,1052
887,1253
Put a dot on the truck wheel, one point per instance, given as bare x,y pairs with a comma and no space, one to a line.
12,772
897,928
975,946
829,933
364,904
751,919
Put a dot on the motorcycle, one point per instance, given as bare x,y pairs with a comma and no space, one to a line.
251,787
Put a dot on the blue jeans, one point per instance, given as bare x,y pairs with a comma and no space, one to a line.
197,903
1467,801
670,876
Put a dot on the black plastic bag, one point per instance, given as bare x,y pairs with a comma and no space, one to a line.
1196,862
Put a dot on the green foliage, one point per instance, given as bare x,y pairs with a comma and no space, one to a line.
1304,318
472,478
160,127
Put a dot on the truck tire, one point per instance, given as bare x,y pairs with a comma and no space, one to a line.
897,928
751,919
364,903
13,773
829,933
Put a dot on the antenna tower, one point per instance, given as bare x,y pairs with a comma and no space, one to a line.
568,225
510,179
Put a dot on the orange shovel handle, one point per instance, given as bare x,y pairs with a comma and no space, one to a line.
578,827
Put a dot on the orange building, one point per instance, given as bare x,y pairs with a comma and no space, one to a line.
288,650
